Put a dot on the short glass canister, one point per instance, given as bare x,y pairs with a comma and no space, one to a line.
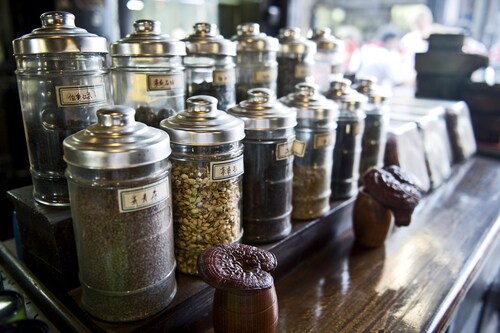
119,183
147,73
63,79
313,149
267,181
350,129
207,178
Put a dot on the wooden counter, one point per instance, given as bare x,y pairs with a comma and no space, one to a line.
414,283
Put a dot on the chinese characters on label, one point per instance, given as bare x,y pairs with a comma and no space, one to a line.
223,77
283,150
226,169
80,95
137,198
165,82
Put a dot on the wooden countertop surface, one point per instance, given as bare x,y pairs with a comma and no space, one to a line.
416,280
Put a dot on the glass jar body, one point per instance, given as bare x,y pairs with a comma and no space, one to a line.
267,185
206,191
153,86
125,248
294,69
59,95
257,69
212,75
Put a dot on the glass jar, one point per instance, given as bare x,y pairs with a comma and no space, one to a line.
295,60
313,148
376,123
268,161
119,184
256,64
210,65
328,59
350,128
147,73
62,79
207,177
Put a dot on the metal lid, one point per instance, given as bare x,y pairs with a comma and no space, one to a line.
261,111
368,86
309,103
292,42
207,40
147,40
201,124
116,141
347,98
326,42
249,38
59,34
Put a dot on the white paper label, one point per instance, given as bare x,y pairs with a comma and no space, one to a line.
223,77
323,140
283,150
299,148
264,75
138,198
80,95
302,71
226,169
165,82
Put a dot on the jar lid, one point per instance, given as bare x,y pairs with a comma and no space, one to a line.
59,34
249,38
207,40
351,101
261,111
337,88
147,40
368,86
201,124
291,42
309,103
327,42
116,141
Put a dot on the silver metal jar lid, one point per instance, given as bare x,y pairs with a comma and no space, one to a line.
249,38
116,141
351,100
368,86
147,40
207,40
201,124
327,42
59,34
309,103
261,111
291,42
338,88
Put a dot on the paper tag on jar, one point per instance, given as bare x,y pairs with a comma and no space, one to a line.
137,198
264,75
226,169
299,148
284,150
302,71
80,95
323,140
165,82
222,77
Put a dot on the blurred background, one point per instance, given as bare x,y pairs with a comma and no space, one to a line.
401,25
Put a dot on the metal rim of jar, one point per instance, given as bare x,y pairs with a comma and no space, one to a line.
310,104
325,41
206,40
291,42
250,39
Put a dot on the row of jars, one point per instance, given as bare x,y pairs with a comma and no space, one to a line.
146,200
63,78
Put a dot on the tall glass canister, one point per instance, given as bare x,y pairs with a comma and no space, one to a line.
295,60
207,178
147,73
267,181
376,123
350,128
256,64
328,59
313,148
119,183
63,79
210,65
